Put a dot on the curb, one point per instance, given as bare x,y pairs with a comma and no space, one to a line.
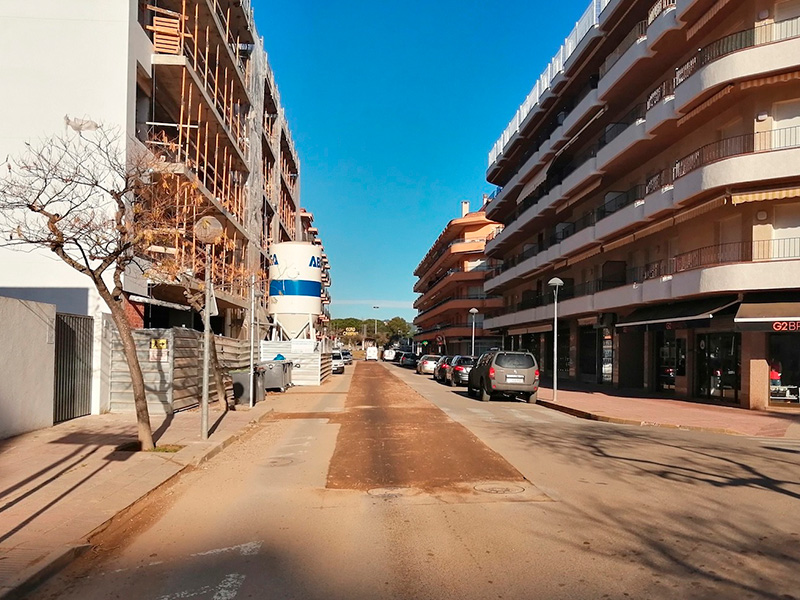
44,569
583,414
57,560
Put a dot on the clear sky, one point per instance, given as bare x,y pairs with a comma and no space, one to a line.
394,107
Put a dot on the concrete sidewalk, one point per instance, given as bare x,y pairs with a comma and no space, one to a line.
678,414
60,485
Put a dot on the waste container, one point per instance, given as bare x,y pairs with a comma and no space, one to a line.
277,374
241,385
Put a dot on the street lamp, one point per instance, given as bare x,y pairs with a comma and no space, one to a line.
473,312
207,230
376,326
555,283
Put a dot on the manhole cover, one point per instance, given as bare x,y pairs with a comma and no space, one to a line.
498,488
390,492
280,461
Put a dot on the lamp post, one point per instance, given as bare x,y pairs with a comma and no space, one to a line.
555,283
207,230
473,311
376,326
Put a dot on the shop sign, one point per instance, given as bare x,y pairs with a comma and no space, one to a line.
776,326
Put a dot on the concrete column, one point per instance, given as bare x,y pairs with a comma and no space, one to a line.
755,371
574,342
649,368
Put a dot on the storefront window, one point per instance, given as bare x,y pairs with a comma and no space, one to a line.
718,366
784,366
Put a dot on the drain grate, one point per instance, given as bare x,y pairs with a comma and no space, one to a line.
498,488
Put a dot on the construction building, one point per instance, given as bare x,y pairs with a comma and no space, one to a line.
190,80
450,282
655,170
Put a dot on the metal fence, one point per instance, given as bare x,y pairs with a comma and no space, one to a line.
72,396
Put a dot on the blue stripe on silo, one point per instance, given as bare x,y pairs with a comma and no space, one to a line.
292,287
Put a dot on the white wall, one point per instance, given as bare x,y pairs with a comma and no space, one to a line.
28,366
63,58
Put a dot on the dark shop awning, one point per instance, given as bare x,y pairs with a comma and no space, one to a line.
678,313
768,316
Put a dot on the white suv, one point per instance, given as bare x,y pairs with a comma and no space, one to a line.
337,362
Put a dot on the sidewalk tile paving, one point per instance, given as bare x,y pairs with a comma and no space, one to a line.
59,485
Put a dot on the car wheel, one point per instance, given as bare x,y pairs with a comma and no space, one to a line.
532,397
449,382
470,390
485,396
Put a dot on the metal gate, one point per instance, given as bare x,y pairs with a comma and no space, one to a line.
73,377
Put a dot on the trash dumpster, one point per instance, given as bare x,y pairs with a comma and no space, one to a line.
242,383
277,374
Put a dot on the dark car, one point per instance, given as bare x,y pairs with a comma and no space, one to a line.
398,356
458,373
503,372
441,366
409,360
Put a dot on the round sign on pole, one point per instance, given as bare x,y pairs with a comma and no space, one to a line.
207,230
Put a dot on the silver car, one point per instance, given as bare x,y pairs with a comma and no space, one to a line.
337,362
427,364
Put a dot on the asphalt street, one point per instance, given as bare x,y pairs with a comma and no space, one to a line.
386,484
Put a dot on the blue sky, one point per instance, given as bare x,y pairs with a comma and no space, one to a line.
393,107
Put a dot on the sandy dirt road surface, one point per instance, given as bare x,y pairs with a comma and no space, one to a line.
384,485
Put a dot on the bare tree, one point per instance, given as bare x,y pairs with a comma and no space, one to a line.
88,197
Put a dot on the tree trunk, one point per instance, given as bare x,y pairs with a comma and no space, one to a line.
137,379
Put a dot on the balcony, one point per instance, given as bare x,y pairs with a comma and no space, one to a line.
734,267
623,136
459,303
760,50
661,21
623,61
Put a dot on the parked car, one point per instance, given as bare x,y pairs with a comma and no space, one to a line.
441,366
409,360
427,363
502,372
458,373
347,356
388,354
372,353
398,356
337,362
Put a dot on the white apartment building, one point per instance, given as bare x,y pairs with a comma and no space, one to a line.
655,169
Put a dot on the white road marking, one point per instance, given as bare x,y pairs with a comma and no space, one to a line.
229,587
248,549
226,590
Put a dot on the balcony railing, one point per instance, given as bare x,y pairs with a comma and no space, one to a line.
753,143
458,297
613,130
639,32
748,38
700,258
453,271
659,8
665,90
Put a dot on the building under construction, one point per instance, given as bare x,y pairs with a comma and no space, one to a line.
190,80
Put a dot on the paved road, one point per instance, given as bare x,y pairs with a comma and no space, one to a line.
404,488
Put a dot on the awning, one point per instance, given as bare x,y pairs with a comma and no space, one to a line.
759,196
676,315
531,329
768,316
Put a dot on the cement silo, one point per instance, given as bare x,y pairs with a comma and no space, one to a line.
295,287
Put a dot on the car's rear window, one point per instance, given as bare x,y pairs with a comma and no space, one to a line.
514,361
337,355
466,360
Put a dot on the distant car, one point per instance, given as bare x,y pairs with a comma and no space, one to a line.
458,373
441,366
427,363
347,356
388,354
372,353
503,372
398,356
409,360
337,362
